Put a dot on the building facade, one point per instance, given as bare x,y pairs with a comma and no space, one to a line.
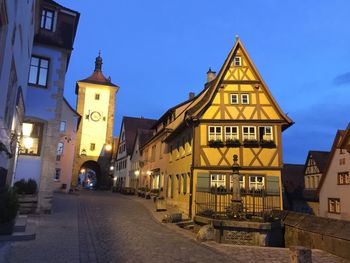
127,136
96,104
194,142
18,23
52,49
335,184
66,146
315,166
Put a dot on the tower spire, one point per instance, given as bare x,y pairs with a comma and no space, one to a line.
98,62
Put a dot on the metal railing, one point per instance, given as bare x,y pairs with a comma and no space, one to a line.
255,202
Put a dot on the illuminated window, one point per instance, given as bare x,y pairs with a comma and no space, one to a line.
244,98
47,19
215,133
31,139
234,98
218,180
334,205
256,182
343,178
237,61
92,146
231,133
265,133
38,71
241,182
249,133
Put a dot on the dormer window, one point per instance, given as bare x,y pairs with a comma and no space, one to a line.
237,61
47,19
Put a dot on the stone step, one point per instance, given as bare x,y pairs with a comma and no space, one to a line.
21,223
28,234
185,223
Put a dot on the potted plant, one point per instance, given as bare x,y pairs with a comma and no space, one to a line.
267,144
8,210
251,143
216,143
233,143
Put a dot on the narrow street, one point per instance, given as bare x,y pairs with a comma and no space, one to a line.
113,228
104,227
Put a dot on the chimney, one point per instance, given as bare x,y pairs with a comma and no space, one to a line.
210,75
190,95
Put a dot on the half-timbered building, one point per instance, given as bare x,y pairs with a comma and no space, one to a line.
315,166
235,114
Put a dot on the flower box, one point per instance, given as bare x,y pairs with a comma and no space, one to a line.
216,143
267,144
233,143
251,143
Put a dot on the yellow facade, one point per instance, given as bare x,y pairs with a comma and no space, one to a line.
234,115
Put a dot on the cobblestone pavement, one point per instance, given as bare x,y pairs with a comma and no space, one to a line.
108,227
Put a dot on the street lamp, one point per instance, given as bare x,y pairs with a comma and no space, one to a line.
236,202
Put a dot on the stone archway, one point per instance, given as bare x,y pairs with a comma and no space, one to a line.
90,174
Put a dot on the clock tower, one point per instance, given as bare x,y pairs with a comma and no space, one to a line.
96,105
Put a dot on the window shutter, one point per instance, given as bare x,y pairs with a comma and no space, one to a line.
203,182
272,185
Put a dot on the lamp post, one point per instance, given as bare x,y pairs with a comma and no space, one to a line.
236,201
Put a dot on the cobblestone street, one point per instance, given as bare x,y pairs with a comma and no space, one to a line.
106,227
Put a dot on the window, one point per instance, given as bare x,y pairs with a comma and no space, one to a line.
234,98
184,184
31,139
161,148
237,61
249,133
334,205
57,174
241,182
92,146
59,152
343,178
231,133
215,133
218,180
38,71
256,182
342,161
265,133
97,96
153,153
62,126
47,19
244,98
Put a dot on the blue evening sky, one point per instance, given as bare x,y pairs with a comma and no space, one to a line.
158,51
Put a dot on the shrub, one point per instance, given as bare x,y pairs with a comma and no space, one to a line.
26,187
8,204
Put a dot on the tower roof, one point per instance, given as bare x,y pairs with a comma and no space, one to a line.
97,76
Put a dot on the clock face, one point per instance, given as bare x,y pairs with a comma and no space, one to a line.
95,116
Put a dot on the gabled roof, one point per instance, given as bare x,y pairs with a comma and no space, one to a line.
143,136
336,144
131,126
97,76
346,138
320,158
197,110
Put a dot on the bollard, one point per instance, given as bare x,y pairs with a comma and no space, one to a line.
300,254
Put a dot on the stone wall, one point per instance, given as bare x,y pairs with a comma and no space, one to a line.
327,234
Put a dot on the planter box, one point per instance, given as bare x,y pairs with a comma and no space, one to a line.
267,144
251,144
233,144
27,204
216,144
160,204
